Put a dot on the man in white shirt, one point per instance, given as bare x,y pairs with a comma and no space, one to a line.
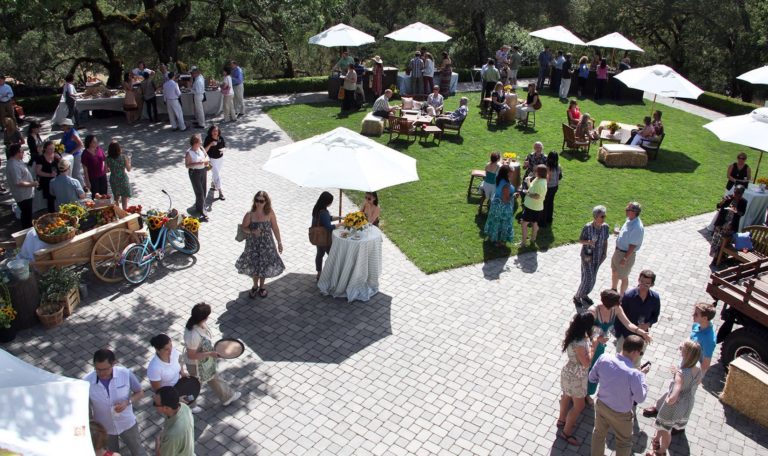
381,107
6,98
113,389
171,94
198,90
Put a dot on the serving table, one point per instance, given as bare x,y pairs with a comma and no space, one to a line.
353,266
757,202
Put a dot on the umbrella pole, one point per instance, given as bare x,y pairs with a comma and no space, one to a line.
757,168
653,104
339,203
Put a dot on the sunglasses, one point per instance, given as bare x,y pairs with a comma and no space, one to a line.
260,200
742,158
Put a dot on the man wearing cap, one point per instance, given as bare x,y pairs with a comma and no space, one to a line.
178,436
20,182
198,91
416,66
6,97
171,94
65,188
237,84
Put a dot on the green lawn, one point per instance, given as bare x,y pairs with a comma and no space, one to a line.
435,225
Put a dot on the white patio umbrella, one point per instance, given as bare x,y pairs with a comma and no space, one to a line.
749,130
341,35
659,80
342,159
615,40
418,33
756,76
557,33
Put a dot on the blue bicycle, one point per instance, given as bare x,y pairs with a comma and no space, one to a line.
137,259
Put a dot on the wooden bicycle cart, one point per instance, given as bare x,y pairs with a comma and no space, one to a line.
102,247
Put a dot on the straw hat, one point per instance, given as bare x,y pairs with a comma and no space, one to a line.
68,122
377,59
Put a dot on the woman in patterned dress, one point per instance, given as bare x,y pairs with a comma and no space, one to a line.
119,164
675,406
260,259
573,378
498,227
446,70
594,242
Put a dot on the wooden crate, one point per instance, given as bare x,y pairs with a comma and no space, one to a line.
69,301
746,388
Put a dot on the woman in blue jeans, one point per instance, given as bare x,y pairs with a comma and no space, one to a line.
321,216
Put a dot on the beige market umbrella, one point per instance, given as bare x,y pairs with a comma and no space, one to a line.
418,33
558,33
341,35
659,80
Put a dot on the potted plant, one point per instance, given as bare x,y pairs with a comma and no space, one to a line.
613,127
62,286
7,315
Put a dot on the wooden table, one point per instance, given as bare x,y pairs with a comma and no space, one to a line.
622,135
432,130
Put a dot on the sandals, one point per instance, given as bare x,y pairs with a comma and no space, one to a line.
569,438
263,293
560,423
254,291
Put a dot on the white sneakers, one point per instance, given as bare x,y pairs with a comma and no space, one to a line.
232,399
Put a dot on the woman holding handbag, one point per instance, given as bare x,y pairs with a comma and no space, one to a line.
200,357
260,259
321,217
196,160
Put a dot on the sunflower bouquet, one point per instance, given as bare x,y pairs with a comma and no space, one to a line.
508,88
355,220
156,219
509,156
7,312
60,148
192,224
73,209
762,180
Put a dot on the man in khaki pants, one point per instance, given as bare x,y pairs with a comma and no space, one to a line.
621,387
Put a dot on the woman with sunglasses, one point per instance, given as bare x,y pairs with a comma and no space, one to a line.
739,173
260,259
371,208
594,250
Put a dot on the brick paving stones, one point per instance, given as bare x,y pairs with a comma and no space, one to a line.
450,363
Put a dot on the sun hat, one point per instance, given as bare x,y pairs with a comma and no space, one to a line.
68,122
377,59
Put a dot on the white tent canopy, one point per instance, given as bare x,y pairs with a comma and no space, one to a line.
756,76
42,413
615,40
418,33
341,35
557,33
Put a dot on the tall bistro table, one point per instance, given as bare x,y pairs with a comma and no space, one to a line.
353,266
757,202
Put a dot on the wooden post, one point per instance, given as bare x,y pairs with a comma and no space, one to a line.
757,168
339,203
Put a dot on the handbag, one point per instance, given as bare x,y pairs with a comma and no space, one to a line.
240,236
341,93
537,103
319,235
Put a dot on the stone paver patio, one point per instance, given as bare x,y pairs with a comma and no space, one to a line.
463,362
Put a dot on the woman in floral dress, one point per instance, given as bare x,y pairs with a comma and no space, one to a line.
119,164
260,259
573,378
675,406
498,227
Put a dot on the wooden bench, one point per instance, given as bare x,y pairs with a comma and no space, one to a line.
759,236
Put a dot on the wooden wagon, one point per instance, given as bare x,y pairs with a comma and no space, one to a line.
102,247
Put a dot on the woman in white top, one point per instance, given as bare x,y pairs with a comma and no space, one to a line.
435,102
229,96
69,95
199,354
165,368
196,160
429,72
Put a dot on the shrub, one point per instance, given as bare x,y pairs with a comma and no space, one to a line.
260,87
523,72
44,104
724,104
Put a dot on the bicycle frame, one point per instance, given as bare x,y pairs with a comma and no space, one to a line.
151,249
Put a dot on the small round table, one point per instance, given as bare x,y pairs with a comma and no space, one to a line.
353,266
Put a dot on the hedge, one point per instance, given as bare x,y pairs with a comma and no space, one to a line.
260,87
724,104
523,72
43,104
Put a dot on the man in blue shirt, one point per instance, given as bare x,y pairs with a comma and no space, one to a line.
628,242
416,66
642,307
545,58
557,71
237,84
6,101
621,387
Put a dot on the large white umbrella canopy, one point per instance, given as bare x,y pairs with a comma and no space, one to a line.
418,33
659,80
615,40
749,130
341,35
756,76
557,33
344,159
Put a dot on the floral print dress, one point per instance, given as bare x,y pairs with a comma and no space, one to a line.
260,257
118,177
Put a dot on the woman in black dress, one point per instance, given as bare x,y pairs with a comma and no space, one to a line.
730,210
739,173
213,144
46,168
321,217
34,141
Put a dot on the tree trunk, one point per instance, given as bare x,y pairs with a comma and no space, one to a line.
288,70
478,30
115,69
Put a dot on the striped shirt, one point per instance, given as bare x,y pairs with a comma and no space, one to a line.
381,104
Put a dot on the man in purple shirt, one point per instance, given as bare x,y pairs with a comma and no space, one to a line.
621,387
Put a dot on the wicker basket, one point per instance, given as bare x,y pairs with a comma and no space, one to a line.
47,219
174,219
50,320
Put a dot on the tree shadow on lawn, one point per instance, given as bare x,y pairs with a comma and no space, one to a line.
672,161
570,154
295,323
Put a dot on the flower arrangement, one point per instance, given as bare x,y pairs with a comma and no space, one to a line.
58,281
73,209
60,148
508,88
133,209
192,224
762,180
355,220
156,219
7,312
613,127
509,156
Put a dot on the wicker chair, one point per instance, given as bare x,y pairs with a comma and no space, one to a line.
402,126
570,142
652,147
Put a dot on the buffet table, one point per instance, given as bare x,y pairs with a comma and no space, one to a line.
404,83
353,266
757,202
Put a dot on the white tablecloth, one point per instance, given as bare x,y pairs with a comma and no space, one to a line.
404,82
212,106
353,266
757,202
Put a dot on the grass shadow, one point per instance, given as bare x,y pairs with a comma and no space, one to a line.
571,155
672,161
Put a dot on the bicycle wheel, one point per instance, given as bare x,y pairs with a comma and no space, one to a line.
135,267
183,240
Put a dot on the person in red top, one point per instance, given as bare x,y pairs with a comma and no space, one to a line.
99,440
574,113
94,169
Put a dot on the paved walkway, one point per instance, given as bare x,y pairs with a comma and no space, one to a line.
463,362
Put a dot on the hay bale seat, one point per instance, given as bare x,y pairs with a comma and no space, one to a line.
746,388
372,125
622,155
